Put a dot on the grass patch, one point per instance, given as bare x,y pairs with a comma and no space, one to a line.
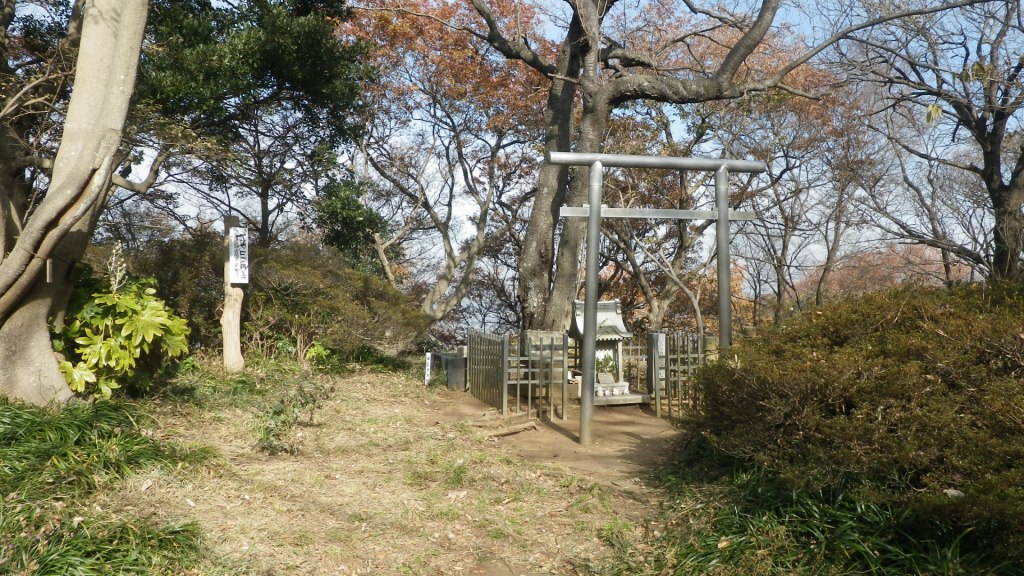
618,533
440,493
49,465
60,455
455,474
590,498
71,546
282,395
276,430
748,523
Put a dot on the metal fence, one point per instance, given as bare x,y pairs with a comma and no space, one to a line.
487,356
677,356
530,371
516,374
675,387
537,375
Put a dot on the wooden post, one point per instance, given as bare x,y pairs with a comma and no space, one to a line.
503,354
653,369
231,318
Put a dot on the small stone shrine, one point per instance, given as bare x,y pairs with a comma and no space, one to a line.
608,351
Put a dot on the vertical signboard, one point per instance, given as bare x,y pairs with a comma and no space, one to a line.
236,271
238,256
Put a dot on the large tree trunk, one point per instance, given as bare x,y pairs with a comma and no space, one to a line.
59,227
1008,233
557,307
537,259
26,355
25,342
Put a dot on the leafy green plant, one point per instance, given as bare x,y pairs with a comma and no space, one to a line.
349,225
318,355
114,329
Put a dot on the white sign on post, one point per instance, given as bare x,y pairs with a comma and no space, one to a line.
239,256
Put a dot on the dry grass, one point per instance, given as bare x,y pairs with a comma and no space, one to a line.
385,481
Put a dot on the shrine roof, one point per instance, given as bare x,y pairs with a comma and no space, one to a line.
610,325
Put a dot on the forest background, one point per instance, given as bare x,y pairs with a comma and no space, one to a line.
405,144
386,161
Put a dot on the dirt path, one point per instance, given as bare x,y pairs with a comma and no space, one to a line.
626,440
396,479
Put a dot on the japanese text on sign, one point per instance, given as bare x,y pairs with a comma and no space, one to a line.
239,256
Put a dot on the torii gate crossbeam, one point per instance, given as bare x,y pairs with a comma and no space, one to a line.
594,212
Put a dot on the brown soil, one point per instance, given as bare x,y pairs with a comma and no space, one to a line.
626,441
395,479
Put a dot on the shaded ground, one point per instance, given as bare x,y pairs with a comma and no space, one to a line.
394,479
626,440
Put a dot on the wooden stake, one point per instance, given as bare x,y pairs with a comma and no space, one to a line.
231,318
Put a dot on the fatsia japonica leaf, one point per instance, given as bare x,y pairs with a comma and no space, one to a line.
78,376
174,343
119,302
151,321
91,349
113,330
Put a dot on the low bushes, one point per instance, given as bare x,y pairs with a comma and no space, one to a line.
304,298
116,333
911,399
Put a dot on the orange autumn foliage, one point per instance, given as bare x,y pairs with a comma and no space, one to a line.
424,54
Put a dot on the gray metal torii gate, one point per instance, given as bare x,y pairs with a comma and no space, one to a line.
595,211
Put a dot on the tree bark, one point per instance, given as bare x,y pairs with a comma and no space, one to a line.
27,362
59,228
1008,232
536,267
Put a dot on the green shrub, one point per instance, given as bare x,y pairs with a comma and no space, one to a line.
911,398
189,270
303,297
117,331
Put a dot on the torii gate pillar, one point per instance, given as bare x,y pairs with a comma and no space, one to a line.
594,212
